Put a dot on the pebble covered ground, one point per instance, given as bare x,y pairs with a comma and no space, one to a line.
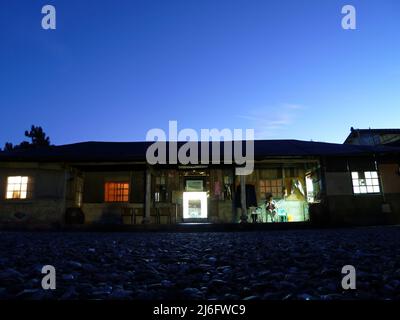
276,265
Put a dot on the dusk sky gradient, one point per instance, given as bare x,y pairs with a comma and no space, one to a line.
112,70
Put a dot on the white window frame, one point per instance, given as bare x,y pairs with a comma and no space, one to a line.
365,182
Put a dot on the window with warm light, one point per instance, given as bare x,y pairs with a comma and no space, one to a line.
365,182
117,192
17,187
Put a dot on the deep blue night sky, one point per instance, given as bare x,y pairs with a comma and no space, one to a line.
114,69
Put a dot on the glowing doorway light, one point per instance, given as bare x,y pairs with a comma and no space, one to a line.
195,205
310,189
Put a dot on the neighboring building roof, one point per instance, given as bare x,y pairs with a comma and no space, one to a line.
383,131
136,151
357,133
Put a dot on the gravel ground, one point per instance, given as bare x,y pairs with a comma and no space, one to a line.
302,264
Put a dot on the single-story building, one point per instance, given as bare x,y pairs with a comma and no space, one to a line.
112,183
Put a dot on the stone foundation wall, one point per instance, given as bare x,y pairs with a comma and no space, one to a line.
363,210
38,212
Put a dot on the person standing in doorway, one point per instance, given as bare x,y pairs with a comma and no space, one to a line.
270,208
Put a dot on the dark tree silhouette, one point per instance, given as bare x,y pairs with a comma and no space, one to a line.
38,139
8,146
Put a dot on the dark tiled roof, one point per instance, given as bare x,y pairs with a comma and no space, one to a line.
382,131
356,132
136,151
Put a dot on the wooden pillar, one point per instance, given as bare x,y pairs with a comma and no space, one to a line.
233,195
243,217
147,205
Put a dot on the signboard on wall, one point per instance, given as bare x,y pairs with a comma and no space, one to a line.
194,185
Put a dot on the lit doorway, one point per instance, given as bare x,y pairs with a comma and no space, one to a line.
194,205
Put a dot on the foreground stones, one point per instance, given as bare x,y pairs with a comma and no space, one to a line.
278,265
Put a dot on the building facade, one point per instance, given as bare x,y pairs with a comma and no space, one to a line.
112,183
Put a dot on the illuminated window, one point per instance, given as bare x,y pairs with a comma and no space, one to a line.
273,187
117,192
365,182
17,187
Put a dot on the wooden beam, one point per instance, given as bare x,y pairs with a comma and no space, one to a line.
147,206
243,217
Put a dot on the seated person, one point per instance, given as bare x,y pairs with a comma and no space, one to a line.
254,215
270,208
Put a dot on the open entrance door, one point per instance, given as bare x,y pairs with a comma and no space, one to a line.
195,206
